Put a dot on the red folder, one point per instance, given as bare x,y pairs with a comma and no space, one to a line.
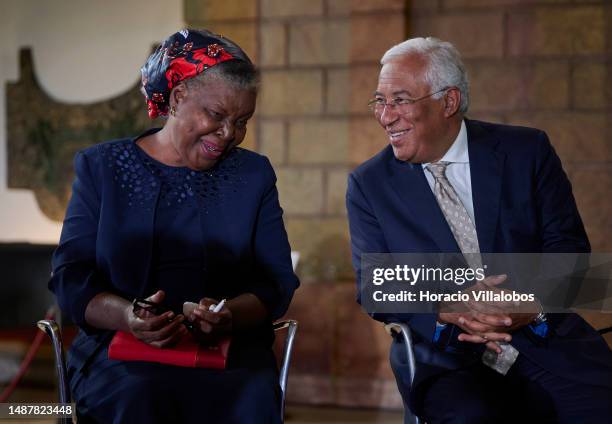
186,353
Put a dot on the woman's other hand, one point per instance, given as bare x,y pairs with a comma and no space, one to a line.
157,330
209,322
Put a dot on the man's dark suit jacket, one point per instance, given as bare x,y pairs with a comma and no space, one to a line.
523,203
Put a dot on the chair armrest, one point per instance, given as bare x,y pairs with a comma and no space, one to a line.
291,326
404,330
53,331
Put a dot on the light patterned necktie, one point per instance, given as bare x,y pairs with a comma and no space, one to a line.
464,231
456,215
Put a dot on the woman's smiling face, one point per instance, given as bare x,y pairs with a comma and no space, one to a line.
210,119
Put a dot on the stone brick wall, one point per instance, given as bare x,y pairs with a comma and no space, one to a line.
317,61
546,64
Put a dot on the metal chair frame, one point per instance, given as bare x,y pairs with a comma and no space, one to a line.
291,326
404,330
52,329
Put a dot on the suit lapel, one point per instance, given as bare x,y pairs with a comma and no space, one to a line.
419,203
486,169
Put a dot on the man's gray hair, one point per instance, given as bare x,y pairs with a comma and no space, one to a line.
445,68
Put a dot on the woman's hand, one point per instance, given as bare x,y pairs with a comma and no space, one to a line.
157,330
206,321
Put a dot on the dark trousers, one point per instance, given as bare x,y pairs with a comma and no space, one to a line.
528,393
117,392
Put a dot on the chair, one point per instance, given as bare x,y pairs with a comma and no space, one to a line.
52,329
404,331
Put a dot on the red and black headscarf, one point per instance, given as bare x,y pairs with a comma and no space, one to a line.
181,56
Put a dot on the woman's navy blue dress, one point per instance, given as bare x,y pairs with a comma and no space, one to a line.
135,225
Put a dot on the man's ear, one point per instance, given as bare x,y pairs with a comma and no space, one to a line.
452,99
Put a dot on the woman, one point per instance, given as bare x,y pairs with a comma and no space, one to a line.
177,214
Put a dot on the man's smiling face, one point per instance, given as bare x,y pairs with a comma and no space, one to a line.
417,132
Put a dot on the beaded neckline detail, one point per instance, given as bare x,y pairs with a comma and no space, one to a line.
142,177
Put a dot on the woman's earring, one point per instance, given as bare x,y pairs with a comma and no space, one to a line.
172,111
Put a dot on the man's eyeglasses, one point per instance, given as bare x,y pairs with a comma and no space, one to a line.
378,104
155,309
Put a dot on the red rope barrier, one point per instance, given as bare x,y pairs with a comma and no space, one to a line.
27,361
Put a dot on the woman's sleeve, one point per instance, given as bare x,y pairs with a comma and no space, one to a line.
275,282
76,279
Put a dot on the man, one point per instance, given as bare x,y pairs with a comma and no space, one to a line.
502,190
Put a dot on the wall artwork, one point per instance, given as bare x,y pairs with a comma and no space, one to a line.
44,134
